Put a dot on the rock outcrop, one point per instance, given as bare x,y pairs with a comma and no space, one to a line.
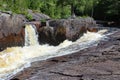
53,32
71,29
11,30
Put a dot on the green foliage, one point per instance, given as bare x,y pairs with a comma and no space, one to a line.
29,17
108,10
43,20
64,8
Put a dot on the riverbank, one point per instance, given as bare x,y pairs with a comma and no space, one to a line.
95,63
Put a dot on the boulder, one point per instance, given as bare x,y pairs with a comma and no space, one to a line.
36,16
11,30
74,27
46,35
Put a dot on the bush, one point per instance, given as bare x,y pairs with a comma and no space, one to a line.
29,17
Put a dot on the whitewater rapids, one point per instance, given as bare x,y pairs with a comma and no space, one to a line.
15,59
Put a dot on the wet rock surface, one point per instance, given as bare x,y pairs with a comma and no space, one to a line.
100,62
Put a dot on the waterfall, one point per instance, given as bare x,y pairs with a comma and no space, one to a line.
31,35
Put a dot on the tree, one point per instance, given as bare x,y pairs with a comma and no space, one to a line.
71,3
100,9
108,10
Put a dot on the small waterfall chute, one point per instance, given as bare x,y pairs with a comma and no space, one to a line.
31,35
47,23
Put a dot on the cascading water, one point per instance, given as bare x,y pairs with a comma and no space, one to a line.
47,23
31,36
15,59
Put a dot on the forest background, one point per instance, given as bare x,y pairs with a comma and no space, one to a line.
98,9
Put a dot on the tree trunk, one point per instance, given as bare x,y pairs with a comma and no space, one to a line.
72,11
62,13
92,12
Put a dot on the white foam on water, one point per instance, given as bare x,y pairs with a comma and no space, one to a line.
31,36
15,59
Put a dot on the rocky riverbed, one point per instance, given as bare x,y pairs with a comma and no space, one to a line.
95,63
